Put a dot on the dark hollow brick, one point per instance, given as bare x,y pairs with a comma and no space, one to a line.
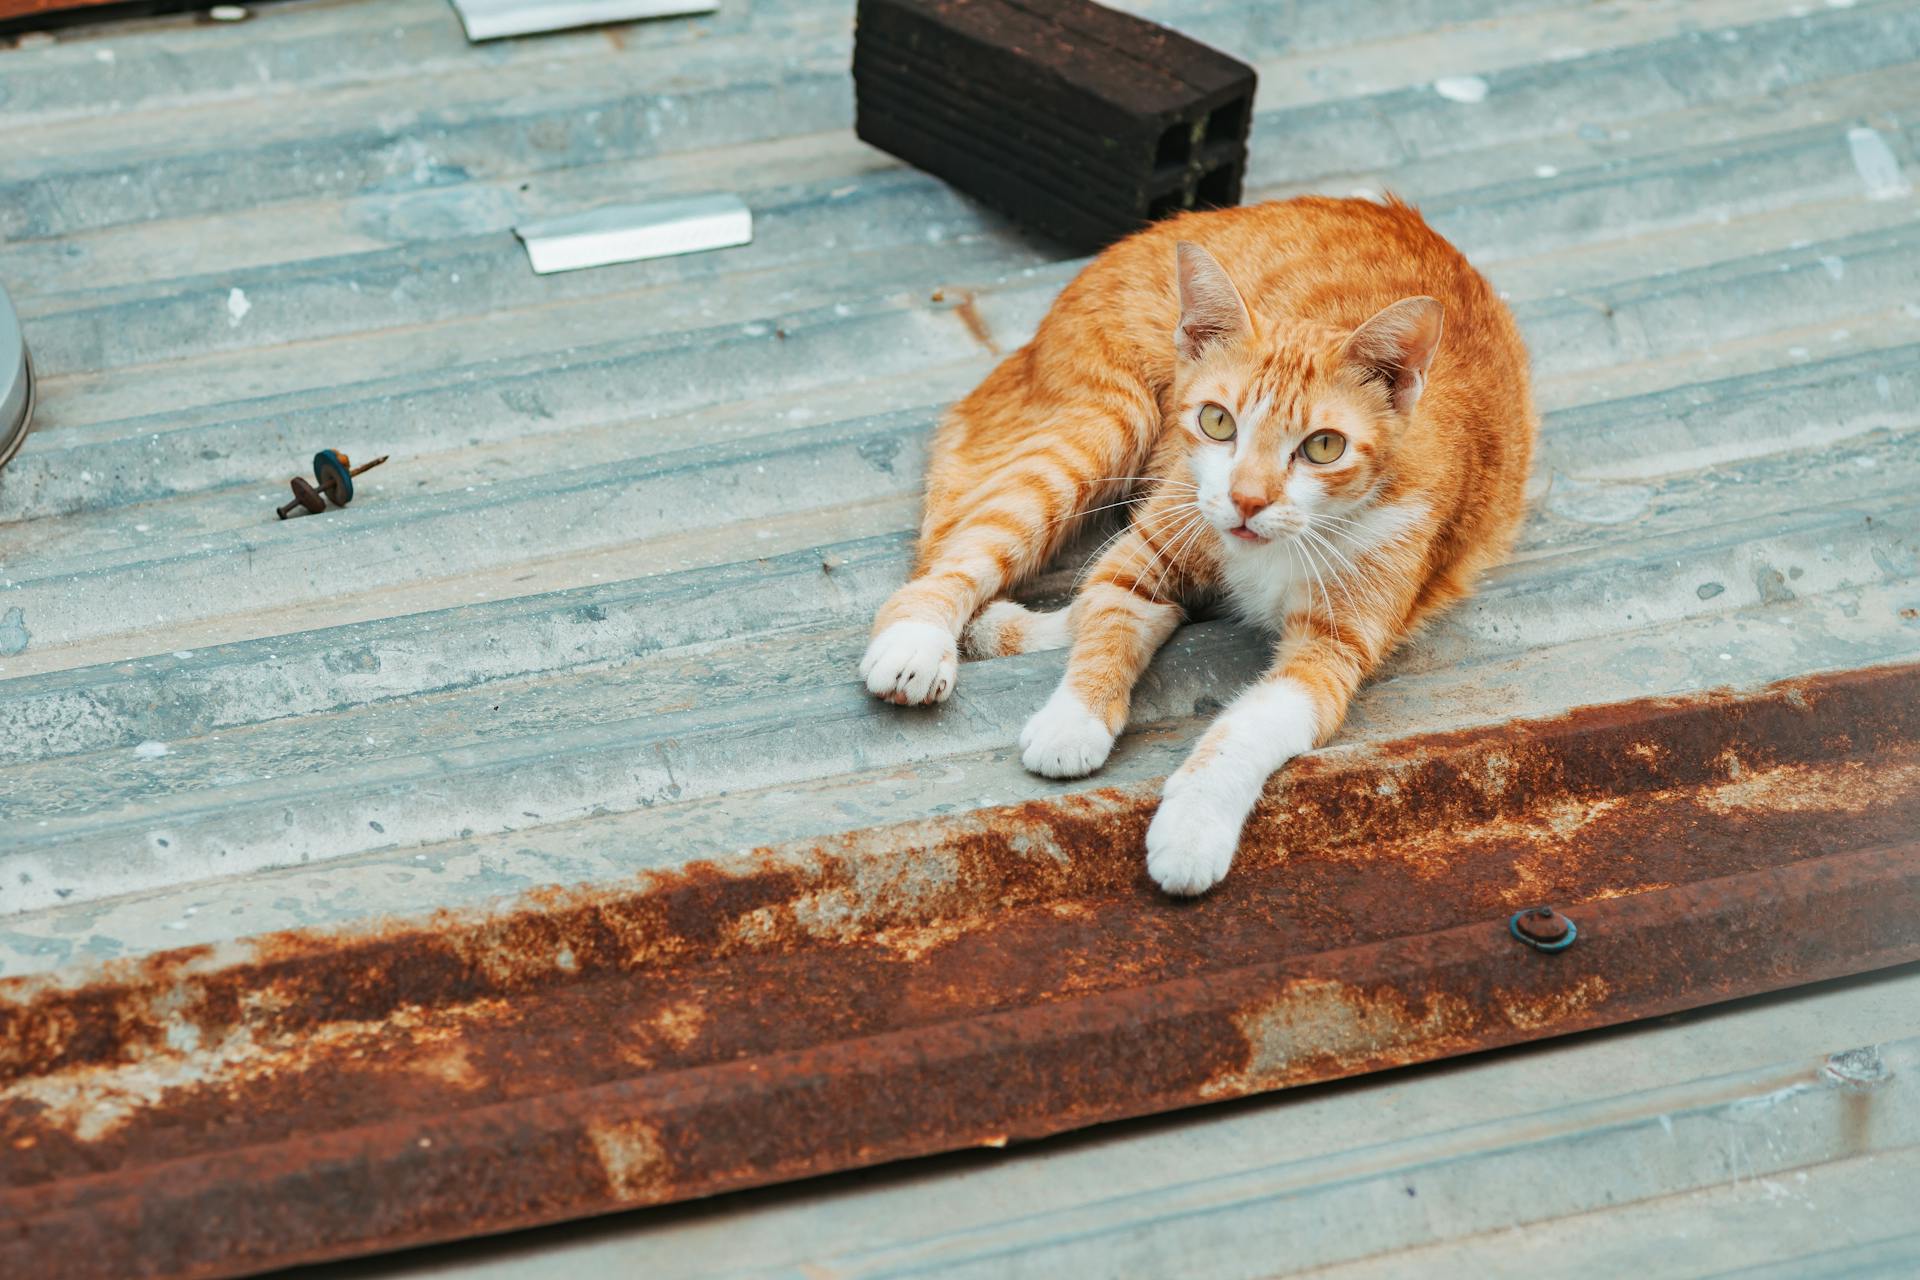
1066,116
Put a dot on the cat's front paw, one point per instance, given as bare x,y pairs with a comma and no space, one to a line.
1064,739
911,663
1191,841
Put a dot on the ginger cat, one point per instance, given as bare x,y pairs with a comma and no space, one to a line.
1320,415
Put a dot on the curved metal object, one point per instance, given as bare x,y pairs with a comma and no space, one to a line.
16,382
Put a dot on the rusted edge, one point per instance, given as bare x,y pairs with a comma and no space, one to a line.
215,1112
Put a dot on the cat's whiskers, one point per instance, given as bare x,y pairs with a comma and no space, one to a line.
1141,525
1313,566
1195,526
1080,515
1334,560
1361,579
1162,553
1303,579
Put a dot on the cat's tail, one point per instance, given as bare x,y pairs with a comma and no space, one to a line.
1004,628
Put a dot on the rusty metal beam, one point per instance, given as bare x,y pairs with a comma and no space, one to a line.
799,1010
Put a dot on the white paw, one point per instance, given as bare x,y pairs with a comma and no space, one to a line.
911,663
1192,838
1064,739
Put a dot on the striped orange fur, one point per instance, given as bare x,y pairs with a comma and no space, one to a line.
1320,414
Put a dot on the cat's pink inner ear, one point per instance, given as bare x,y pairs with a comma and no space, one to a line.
1211,309
1397,346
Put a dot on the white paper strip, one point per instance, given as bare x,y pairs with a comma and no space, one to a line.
492,19
630,232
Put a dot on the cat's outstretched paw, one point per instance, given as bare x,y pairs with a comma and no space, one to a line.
911,663
1064,739
1191,841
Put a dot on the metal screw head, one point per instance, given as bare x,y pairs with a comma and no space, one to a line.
1542,928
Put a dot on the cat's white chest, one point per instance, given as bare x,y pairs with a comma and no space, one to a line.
1264,584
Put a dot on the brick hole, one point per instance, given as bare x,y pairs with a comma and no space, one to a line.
1228,123
1218,188
1176,145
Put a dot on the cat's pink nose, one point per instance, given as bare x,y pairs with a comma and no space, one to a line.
1250,504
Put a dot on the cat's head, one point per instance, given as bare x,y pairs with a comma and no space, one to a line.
1293,430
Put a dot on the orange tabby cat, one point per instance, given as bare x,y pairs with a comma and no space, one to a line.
1321,415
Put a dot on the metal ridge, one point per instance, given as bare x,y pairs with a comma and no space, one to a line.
16,382
994,976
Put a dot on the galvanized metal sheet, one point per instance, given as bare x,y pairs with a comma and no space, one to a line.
596,621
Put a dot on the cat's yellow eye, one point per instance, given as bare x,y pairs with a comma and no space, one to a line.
1216,422
1324,447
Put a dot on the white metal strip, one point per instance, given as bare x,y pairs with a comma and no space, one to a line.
493,19
630,232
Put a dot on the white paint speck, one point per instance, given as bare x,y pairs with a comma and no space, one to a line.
142,528
229,13
1726,657
1461,88
1840,4
103,55
1545,171
1873,159
237,307
183,653
150,750
1836,266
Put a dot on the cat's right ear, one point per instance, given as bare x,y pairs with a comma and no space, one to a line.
1211,309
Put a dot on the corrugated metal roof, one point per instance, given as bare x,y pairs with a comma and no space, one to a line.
600,612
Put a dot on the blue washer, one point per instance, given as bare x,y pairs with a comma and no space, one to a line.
335,480
1513,927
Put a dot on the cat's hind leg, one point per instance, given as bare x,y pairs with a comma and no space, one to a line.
1004,628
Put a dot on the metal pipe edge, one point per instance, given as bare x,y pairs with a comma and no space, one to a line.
16,382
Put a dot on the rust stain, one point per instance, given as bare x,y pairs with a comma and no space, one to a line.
793,1010
968,309
633,1159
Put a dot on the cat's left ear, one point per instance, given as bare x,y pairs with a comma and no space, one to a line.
1211,309
1396,346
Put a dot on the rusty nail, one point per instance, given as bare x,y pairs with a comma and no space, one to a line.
334,472
304,495
1543,929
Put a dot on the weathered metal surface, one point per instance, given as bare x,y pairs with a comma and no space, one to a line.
595,624
212,1111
